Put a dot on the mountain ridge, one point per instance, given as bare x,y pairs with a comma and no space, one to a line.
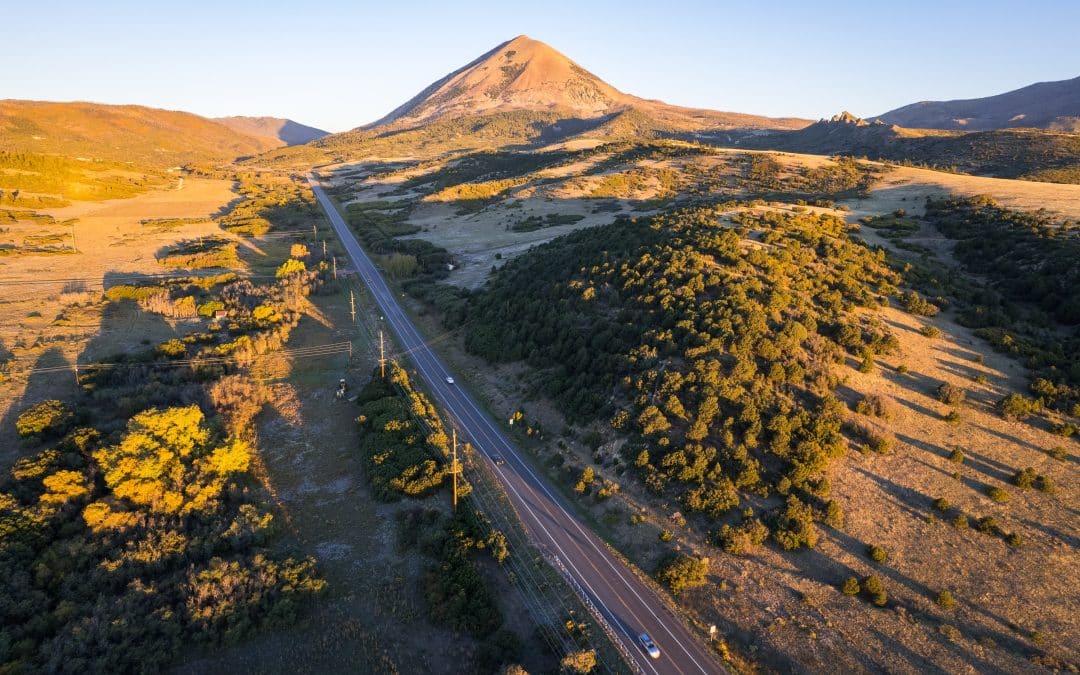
1044,105
279,130
124,133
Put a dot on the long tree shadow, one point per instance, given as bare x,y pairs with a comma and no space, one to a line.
921,409
51,376
1011,439
814,565
1070,539
121,372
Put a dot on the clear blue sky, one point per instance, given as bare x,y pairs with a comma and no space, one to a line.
337,65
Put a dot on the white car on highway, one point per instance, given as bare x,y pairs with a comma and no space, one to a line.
650,647
449,380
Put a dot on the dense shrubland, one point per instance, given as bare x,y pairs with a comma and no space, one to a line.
403,457
133,527
270,202
118,550
407,454
712,343
1030,306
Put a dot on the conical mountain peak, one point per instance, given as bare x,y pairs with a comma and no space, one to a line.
520,74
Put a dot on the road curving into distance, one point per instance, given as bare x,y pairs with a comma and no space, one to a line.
629,605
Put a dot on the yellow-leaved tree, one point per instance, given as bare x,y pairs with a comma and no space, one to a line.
166,463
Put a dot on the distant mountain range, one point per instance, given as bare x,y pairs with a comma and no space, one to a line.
277,130
525,94
133,133
1045,105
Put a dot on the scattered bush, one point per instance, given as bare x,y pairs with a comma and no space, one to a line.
850,587
680,572
173,348
1024,478
988,525
1016,407
834,515
876,553
950,394
946,601
1058,452
867,363
580,662
874,405
742,539
956,456
918,305
942,504
930,331
794,525
997,494
875,590
290,267
960,522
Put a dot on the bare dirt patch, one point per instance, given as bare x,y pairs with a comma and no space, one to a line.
51,309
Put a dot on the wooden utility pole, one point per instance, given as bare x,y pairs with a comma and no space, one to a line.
352,305
335,268
454,469
315,231
73,246
382,357
324,249
77,382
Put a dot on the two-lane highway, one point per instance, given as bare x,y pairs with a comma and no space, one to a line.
630,606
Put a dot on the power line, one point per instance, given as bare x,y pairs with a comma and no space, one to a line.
141,277
328,349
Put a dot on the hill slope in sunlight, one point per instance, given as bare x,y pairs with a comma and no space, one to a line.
121,133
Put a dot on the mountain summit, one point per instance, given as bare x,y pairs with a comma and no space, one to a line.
522,94
521,74
527,75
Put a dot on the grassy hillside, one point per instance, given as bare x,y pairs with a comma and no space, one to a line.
120,133
34,180
509,129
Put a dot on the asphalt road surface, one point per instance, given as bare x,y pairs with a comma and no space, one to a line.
629,606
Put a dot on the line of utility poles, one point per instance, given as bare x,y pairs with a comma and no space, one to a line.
382,356
454,469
